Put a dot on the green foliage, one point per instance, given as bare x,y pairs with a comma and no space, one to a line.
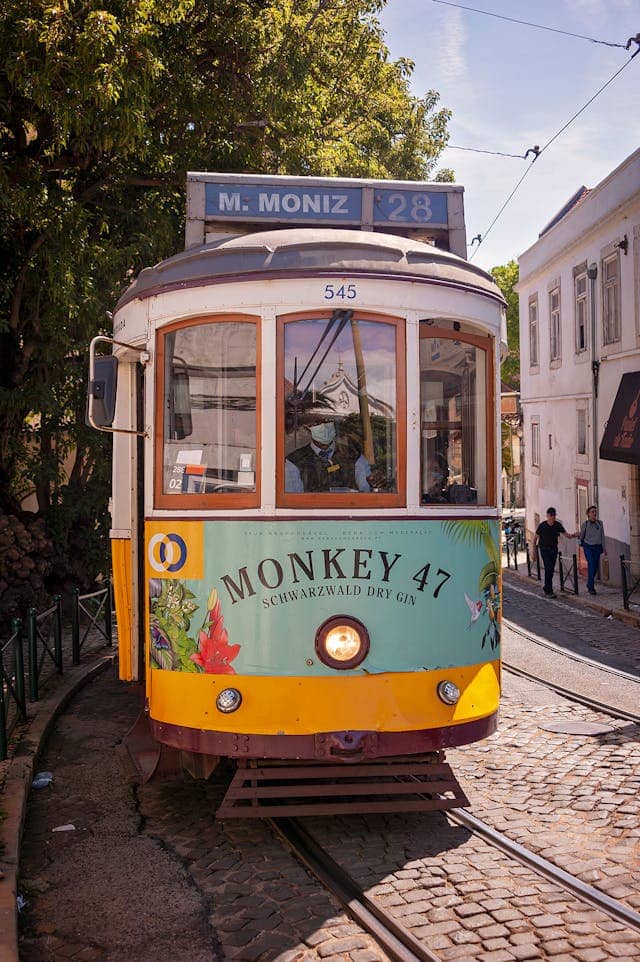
506,277
104,106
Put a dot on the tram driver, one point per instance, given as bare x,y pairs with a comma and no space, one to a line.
327,463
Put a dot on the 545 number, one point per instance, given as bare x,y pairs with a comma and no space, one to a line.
346,292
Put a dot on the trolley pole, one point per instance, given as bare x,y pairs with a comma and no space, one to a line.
363,398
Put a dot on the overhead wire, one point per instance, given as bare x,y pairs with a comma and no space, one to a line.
538,26
539,151
477,150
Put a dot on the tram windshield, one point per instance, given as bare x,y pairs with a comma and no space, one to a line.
453,404
210,409
340,399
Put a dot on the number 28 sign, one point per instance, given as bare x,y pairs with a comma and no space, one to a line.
409,207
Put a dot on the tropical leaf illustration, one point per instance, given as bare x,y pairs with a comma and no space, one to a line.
484,533
488,576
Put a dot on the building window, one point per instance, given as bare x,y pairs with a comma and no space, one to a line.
582,432
554,325
535,444
580,296
611,299
533,332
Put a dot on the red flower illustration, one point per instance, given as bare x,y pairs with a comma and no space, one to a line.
215,652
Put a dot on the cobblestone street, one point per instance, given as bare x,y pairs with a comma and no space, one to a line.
147,874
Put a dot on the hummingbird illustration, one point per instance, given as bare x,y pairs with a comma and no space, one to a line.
475,607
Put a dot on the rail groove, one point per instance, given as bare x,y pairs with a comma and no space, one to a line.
611,710
616,910
394,938
572,655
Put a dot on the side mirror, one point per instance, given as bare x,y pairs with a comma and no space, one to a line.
101,394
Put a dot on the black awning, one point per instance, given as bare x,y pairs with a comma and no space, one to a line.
621,441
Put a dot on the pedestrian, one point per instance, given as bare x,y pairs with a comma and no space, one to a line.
592,543
547,534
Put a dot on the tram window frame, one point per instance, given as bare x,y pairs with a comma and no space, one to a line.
226,500
487,344
351,499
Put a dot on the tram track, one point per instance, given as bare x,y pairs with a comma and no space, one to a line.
571,655
613,711
553,873
393,936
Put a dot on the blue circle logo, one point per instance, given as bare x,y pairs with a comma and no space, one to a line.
167,553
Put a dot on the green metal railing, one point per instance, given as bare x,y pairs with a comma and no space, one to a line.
92,606
511,545
629,580
44,643
533,563
43,633
568,571
13,704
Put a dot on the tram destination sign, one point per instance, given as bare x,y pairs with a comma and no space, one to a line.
426,210
323,205
219,204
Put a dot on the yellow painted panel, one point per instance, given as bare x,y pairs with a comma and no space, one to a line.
403,701
174,549
122,593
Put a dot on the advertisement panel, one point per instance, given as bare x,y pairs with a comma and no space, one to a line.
234,597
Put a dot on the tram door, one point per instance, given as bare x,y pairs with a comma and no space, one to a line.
122,415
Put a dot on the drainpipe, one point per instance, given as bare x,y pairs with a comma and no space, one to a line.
592,274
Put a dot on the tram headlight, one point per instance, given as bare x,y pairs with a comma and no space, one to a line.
342,642
228,700
448,692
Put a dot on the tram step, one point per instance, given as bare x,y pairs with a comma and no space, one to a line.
264,789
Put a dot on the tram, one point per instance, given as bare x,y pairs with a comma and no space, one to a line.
305,508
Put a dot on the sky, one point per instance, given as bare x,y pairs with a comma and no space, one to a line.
511,87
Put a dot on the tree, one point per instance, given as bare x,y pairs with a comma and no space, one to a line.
506,277
104,106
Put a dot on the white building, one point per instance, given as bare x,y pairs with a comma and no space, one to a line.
579,295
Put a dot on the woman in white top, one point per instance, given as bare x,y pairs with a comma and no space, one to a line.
593,545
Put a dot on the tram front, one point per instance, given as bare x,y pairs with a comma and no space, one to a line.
317,571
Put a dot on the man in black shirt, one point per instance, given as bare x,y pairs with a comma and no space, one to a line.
547,534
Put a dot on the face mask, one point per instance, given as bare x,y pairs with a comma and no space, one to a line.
323,433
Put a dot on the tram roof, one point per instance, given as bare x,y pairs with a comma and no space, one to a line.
309,251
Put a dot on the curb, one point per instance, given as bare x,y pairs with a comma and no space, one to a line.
13,797
620,614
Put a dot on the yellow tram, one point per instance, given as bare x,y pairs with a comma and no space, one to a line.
305,511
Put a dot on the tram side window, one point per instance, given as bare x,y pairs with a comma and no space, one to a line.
340,400
453,399
210,409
